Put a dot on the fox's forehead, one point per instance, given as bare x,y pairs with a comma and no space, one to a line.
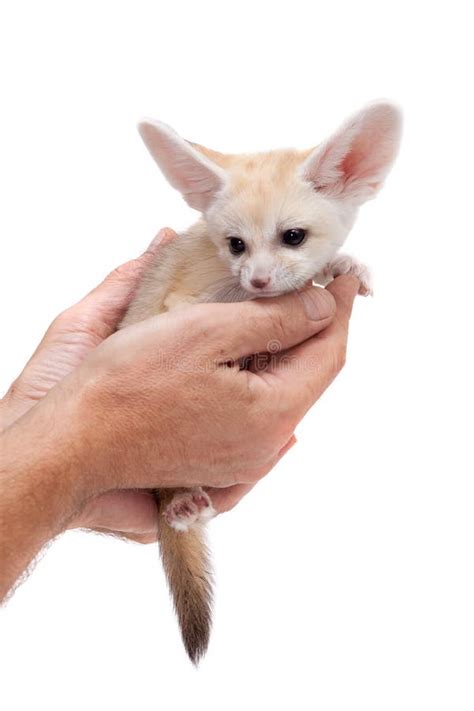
263,190
275,163
269,169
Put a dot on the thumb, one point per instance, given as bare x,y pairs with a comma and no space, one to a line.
102,309
266,325
120,511
224,499
131,271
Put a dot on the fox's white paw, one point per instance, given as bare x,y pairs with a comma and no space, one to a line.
188,508
345,264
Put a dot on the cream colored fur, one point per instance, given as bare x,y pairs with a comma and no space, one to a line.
254,198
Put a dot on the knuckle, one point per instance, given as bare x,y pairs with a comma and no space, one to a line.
265,318
250,319
277,323
14,390
252,398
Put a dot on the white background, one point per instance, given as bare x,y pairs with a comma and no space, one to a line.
345,581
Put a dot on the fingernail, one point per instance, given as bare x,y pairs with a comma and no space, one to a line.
318,303
164,233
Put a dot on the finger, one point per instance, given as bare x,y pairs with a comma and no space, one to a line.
165,235
234,331
124,512
131,271
144,538
225,499
102,309
311,366
344,289
79,329
291,442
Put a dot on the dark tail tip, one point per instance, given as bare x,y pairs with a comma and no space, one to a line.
196,649
188,570
195,622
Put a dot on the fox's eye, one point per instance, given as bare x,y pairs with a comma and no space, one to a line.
293,238
236,245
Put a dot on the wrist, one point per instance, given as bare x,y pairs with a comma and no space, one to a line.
40,487
41,481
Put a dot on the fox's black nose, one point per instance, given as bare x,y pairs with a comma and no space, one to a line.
260,283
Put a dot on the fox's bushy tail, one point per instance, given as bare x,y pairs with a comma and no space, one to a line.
187,567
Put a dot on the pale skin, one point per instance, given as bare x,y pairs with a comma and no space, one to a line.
96,417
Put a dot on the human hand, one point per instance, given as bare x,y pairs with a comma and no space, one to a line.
71,336
189,415
75,332
116,422
68,340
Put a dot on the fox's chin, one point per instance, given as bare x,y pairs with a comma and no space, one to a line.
270,293
265,293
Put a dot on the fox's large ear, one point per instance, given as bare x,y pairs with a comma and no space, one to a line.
354,162
196,177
